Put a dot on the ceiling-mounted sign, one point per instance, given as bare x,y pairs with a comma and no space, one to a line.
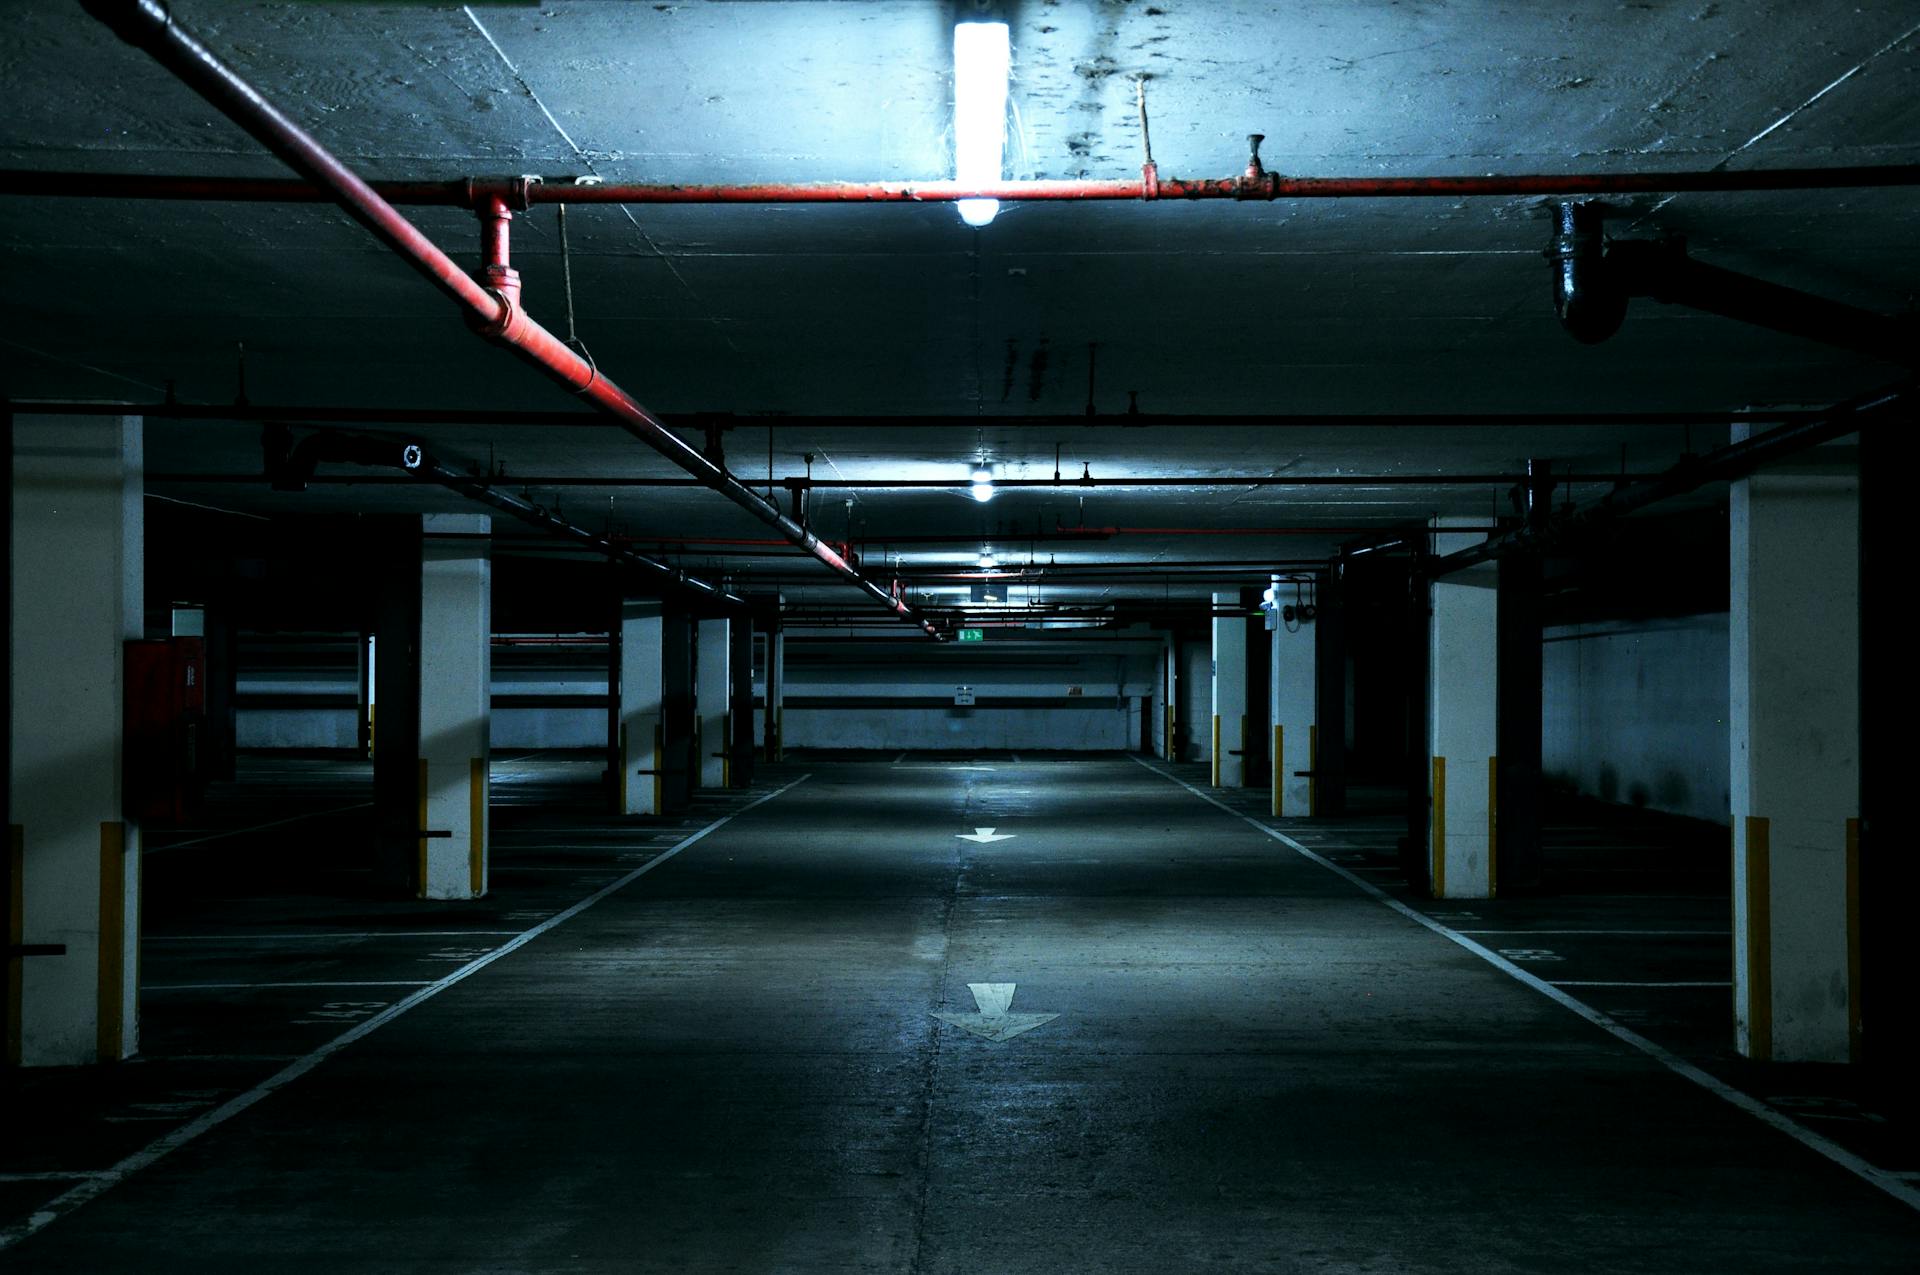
973,635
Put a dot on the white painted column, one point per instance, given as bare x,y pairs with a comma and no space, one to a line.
1795,764
456,669
1168,701
1229,695
713,696
1292,696
642,746
75,862
776,692
1462,725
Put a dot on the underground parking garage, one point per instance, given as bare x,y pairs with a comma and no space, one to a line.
922,636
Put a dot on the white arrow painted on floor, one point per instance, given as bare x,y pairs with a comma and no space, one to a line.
995,1021
985,835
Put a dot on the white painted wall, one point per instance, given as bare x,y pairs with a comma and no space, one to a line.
1082,695
1636,713
1195,690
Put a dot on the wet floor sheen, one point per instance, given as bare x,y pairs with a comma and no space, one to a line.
790,1048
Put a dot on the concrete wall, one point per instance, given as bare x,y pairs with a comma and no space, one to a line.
1195,692
1636,713
1083,695
303,695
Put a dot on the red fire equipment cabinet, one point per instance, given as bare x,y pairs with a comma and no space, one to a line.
165,719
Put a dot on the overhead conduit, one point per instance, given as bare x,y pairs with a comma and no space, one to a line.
290,467
493,312
1593,280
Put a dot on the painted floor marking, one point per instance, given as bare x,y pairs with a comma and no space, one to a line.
258,827
995,1020
65,1203
1581,982
342,935
227,987
985,836
1890,1183
1717,934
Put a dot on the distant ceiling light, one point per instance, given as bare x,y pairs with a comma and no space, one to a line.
981,62
982,483
987,562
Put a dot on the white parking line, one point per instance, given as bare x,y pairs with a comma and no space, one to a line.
1581,982
343,935
68,1201
1718,934
228,987
1891,1183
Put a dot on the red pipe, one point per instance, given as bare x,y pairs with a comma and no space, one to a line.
473,192
147,25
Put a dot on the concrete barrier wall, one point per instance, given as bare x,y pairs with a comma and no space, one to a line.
1636,713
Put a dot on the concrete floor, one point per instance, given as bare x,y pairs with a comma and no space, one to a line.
731,1062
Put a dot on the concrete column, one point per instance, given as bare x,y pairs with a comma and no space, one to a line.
740,750
1462,728
1293,710
456,666
73,862
1519,701
776,696
679,724
1330,713
1795,781
642,726
713,700
1229,694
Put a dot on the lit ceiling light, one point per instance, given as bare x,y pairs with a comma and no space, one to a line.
987,562
982,483
981,63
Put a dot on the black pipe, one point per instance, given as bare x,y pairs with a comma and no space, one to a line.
1589,302
1736,460
671,578
1663,271
290,466
1593,279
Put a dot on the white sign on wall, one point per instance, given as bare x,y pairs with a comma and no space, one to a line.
963,696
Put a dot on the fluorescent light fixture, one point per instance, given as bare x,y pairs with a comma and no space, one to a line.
987,560
982,483
981,62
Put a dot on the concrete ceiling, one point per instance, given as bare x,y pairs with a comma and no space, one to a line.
808,313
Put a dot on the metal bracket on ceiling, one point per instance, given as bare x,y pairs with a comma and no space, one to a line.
1256,182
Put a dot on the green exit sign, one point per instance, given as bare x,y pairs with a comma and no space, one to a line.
973,635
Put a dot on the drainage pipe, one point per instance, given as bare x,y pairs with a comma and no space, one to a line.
1736,460
494,313
472,192
1593,279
